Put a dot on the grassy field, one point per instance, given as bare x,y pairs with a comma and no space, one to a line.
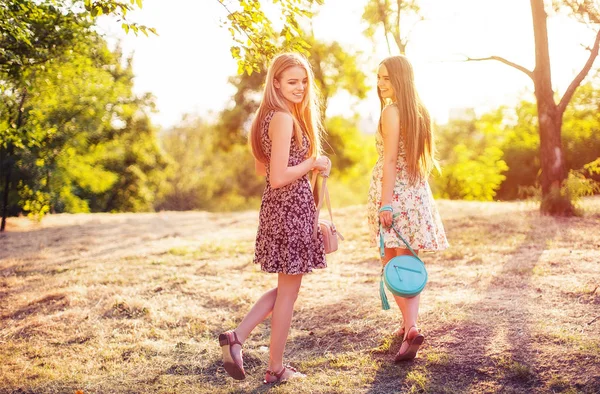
133,303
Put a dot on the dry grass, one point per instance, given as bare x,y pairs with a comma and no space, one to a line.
133,303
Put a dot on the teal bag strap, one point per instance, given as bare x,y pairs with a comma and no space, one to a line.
382,246
385,305
388,208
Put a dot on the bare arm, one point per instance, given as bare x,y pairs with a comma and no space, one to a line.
280,132
260,168
390,127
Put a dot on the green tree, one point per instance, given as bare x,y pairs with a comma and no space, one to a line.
31,35
472,160
550,112
396,18
580,137
90,145
521,152
205,176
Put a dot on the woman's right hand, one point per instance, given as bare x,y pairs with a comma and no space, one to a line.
386,218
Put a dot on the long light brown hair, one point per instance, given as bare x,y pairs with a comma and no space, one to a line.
306,115
415,123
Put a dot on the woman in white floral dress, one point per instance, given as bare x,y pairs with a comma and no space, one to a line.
405,146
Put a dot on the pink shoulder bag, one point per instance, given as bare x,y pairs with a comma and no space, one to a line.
330,234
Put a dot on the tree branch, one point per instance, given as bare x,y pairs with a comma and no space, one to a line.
564,101
237,20
529,73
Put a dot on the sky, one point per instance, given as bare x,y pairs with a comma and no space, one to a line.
188,65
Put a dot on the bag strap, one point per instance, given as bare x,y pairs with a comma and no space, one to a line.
322,195
382,246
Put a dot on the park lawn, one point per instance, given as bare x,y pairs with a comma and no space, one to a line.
134,303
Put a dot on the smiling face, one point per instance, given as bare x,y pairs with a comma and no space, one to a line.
292,85
384,85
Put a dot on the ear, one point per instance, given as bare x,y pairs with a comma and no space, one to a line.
277,84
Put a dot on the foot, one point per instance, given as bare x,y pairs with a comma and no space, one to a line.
232,355
413,339
285,374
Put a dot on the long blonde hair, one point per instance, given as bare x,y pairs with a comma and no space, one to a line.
306,115
415,122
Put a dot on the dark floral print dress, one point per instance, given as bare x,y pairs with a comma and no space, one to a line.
285,241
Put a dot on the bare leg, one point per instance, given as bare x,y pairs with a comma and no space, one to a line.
390,254
408,306
259,312
288,287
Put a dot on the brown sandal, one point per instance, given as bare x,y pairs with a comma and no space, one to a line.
235,370
413,346
279,375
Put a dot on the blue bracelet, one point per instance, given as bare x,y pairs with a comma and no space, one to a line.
386,208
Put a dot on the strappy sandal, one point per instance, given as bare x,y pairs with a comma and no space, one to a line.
413,346
278,376
235,370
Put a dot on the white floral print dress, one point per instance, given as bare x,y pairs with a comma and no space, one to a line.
415,215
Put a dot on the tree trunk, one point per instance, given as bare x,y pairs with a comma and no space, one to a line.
10,162
396,31
549,119
8,165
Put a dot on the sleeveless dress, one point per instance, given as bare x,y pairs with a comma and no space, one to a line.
415,215
285,241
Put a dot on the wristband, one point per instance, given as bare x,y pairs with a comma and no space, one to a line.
386,208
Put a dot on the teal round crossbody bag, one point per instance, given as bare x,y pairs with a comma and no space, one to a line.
404,276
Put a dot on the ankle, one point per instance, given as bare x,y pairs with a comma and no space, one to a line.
240,336
275,368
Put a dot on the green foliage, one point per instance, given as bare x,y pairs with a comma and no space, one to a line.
566,200
85,142
471,159
256,41
521,153
34,32
36,202
581,127
205,177
580,140
471,176
139,166
335,70
353,156
387,14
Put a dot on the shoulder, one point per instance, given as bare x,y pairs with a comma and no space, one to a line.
390,112
390,117
282,117
281,122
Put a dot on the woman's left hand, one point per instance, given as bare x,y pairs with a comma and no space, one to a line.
323,165
325,173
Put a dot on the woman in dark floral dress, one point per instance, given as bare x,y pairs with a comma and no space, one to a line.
285,140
